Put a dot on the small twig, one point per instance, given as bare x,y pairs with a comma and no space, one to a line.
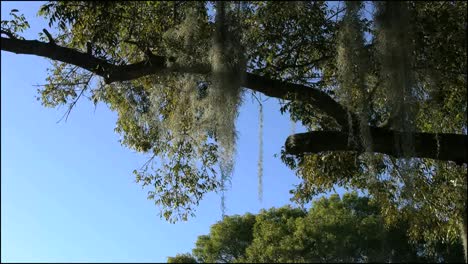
49,36
337,13
58,84
71,107
255,96
75,101
259,99
147,162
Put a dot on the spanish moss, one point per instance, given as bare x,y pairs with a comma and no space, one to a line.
205,107
352,71
226,57
395,52
260,152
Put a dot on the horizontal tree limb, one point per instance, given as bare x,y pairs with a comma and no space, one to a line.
157,64
448,147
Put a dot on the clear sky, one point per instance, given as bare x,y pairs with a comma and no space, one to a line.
67,191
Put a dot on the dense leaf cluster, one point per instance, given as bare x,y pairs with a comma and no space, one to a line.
348,229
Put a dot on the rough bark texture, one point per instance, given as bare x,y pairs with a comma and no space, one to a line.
435,146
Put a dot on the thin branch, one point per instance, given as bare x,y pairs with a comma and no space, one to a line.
67,113
256,98
72,71
60,84
147,162
335,14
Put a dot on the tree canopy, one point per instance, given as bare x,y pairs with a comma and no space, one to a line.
381,87
181,258
348,229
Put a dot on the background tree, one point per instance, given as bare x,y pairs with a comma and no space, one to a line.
349,229
227,240
182,258
173,72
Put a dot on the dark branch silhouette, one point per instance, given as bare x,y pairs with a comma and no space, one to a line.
157,64
451,146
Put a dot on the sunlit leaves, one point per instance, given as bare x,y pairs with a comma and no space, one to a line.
16,25
181,258
227,240
347,229
64,83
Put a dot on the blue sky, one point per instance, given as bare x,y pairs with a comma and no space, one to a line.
67,191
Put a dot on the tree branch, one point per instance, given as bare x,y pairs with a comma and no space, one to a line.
446,147
449,147
287,90
157,64
49,36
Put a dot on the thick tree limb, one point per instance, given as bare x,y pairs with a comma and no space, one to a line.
157,64
450,147
285,90
110,72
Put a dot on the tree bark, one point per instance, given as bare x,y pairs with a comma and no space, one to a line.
449,147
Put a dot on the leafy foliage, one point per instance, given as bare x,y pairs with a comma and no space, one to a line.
186,122
398,183
14,26
227,241
182,258
185,118
348,229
